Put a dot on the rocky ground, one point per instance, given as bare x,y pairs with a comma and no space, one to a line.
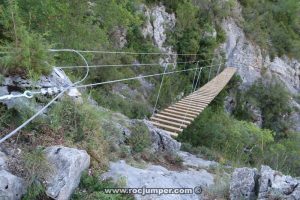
68,164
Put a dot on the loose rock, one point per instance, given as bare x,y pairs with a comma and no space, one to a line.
11,187
68,166
243,184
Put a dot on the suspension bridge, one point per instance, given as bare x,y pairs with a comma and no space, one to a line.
181,114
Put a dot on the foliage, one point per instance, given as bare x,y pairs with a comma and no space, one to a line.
171,5
283,36
202,151
284,155
91,188
132,108
81,124
216,130
28,50
221,188
187,28
218,136
77,120
139,138
37,168
35,191
272,99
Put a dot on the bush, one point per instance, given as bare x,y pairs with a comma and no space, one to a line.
273,100
139,139
218,131
220,137
280,38
131,107
81,124
37,168
28,50
91,188
284,155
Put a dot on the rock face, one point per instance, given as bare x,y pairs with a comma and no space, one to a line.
275,185
192,161
158,22
11,187
241,53
119,37
159,177
247,183
56,79
248,58
243,184
68,166
161,141
16,85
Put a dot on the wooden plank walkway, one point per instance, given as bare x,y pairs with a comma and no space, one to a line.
177,117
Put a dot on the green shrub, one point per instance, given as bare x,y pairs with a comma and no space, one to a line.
218,131
37,169
1,78
131,107
28,50
91,188
80,123
280,38
272,99
217,136
139,139
203,151
284,155
35,191
77,120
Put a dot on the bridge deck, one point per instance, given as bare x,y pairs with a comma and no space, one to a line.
178,116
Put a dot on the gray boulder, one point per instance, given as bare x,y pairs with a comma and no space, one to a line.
247,183
155,176
3,159
274,185
161,141
243,182
192,161
157,23
68,166
11,187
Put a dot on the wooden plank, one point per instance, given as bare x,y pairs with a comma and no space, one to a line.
178,115
198,98
169,122
187,107
167,127
198,101
204,95
205,92
193,103
209,88
183,111
201,99
172,119
190,105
